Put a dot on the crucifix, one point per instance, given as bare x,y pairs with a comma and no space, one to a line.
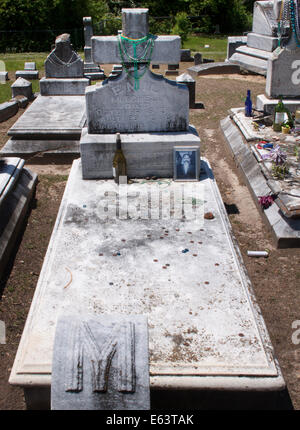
135,28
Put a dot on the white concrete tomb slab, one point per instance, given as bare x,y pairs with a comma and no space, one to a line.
185,274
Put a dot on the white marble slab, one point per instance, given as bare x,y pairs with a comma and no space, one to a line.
205,329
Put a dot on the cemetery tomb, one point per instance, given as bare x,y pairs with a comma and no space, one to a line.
51,126
17,186
283,217
264,38
125,249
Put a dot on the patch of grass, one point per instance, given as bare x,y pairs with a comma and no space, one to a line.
217,46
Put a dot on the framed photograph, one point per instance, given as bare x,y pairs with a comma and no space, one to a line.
186,163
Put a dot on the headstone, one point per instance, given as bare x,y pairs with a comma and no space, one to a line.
185,55
63,70
197,58
100,362
3,77
187,80
30,66
22,87
63,61
91,70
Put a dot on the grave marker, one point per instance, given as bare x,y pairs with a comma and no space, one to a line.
63,70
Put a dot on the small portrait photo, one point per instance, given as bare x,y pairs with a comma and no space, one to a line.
186,163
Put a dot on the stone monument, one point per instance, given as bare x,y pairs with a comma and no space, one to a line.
154,254
263,40
63,70
151,111
91,70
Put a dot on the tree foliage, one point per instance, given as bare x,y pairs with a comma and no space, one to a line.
33,25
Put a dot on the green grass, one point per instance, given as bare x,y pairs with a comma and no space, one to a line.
217,46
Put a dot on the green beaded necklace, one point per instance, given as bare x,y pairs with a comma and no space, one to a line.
145,58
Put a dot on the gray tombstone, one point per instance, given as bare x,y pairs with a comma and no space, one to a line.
197,58
22,87
91,69
63,61
101,363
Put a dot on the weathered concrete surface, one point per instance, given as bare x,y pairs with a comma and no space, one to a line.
235,42
63,86
17,186
3,76
159,105
59,150
8,109
205,329
55,116
285,231
22,87
105,50
27,74
63,61
111,371
212,68
267,105
283,74
147,154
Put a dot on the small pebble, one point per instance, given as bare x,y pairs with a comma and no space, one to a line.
195,255
111,283
206,282
161,237
191,241
209,215
123,240
167,265
217,264
155,261
164,267
100,255
184,251
200,243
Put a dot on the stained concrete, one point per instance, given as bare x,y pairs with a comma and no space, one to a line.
17,186
185,274
285,231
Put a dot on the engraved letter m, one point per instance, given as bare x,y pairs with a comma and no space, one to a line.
121,339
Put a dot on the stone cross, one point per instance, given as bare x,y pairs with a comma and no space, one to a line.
135,25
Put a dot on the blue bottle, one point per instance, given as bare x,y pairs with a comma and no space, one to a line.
248,104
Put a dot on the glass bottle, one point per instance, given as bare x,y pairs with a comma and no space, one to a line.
119,161
248,104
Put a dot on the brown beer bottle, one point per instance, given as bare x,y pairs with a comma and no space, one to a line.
119,161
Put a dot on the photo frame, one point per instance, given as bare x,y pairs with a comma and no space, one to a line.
186,163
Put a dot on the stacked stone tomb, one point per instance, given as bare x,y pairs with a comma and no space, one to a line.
91,70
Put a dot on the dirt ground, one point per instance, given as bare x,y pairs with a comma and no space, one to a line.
275,280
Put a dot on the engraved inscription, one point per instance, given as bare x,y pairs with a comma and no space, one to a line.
120,341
